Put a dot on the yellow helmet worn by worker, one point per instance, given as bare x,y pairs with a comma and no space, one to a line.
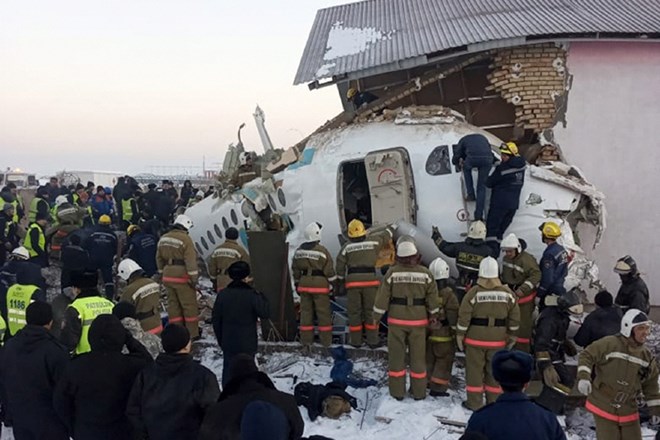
132,229
351,93
509,148
550,230
356,229
105,219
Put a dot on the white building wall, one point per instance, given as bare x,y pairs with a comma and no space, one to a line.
612,133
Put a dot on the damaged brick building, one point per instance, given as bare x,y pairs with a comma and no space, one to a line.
568,80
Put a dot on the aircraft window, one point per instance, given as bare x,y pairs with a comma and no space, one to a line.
218,232
280,197
439,162
271,202
245,210
199,248
225,223
210,236
233,216
204,243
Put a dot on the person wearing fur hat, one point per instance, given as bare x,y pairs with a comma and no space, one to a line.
604,321
235,313
514,415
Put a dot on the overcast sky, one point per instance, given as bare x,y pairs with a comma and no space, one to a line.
124,85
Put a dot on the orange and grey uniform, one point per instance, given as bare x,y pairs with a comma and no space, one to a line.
488,318
222,257
522,274
177,261
244,174
356,265
623,370
313,271
144,294
409,295
441,348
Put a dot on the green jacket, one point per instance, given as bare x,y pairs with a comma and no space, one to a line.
356,261
313,268
522,274
447,318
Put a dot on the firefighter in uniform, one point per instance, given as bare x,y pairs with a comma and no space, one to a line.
468,255
521,273
410,297
441,347
78,317
622,369
143,293
246,171
35,240
551,344
177,262
224,256
356,264
19,296
488,320
67,220
554,263
633,293
313,271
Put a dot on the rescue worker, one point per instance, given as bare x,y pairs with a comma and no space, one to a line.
35,240
177,262
78,197
130,214
67,220
87,305
522,274
622,369
441,348
9,194
141,248
356,265
468,255
633,293
103,247
246,171
224,256
506,183
313,272
74,259
474,151
359,99
143,293
604,321
8,232
409,295
551,344
553,264
488,320
19,267
19,297
39,205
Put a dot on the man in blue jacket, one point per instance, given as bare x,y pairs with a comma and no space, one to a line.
141,248
506,183
473,151
514,415
102,246
554,263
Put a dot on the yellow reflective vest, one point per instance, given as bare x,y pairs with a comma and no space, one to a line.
3,329
28,240
127,209
19,298
88,309
34,208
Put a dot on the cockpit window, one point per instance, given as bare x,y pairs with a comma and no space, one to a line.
439,162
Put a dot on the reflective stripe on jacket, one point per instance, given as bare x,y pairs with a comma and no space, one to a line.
19,298
88,309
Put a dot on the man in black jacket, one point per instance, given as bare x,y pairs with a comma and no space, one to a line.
169,398
235,313
91,397
32,365
250,392
604,321
633,293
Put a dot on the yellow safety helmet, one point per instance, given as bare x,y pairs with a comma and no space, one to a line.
356,229
105,219
509,148
132,229
351,93
550,230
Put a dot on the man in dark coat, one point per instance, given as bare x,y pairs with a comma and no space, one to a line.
474,151
633,293
74,259
250,392
235,313
102,245
141,248
604,321
32,365
91,397
170,397
514,415
19,267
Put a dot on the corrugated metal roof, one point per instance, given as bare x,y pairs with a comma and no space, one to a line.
373,34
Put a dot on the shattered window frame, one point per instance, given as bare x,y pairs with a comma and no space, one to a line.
439,161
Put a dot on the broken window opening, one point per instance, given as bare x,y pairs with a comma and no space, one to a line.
355,202
439,162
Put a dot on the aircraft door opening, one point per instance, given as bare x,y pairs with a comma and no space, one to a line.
355,200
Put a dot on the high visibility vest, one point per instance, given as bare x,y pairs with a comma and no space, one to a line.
8,226
88,309
34,207
3,329
19,298
28,240
53,215
127,209
15,204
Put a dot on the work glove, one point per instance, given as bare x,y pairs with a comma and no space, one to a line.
584,386
550,376
511,342
569,348
655,420
436,236
459,342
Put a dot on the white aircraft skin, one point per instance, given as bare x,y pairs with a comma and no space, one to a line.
309,192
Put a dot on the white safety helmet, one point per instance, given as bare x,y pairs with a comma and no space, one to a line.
477,230
511,242
200,194
403,238
21,253
243,158
60,200
126,268
633,318
184,221
488,268
440,269
406,249
313,232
